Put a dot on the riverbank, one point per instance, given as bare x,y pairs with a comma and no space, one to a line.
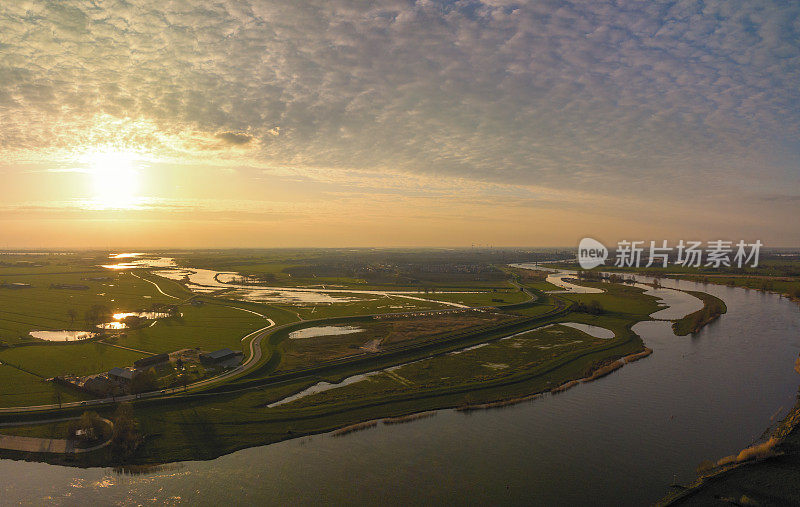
601,369
763,474
713,308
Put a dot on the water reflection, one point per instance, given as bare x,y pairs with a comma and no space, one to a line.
63,335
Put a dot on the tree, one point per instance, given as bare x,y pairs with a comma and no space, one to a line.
89,428
72,313
134,321
57,398
143,382
125,438
98,314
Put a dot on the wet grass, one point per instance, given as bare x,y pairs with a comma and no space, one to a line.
210,327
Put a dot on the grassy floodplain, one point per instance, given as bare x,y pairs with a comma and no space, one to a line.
449,357
57,293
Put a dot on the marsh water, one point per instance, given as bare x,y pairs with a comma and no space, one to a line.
620,440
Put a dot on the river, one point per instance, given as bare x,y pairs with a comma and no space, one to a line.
620,440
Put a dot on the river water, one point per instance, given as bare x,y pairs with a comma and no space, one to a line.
620,440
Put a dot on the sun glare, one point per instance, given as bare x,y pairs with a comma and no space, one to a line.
115,178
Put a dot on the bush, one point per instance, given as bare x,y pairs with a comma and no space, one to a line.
593,308
88,429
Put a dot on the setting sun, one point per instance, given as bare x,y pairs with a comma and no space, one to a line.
115,179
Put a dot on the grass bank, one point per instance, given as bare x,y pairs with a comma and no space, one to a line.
713,307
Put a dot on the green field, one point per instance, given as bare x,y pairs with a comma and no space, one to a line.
20,388
435,370
494,360
58,429
41,307
210,327
619,299
73,359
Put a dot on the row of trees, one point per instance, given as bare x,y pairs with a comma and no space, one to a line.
599,276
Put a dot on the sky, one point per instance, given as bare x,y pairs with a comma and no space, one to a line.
221,123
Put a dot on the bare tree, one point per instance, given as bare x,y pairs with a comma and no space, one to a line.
57,400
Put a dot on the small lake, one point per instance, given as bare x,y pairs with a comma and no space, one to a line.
313,332
63,336
596,331
116,324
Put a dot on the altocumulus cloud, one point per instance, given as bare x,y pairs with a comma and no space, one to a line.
584,94
234,138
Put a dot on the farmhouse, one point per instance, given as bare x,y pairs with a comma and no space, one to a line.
151,360
219,356
121,374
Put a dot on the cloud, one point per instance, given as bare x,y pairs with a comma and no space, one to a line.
616,97
234,138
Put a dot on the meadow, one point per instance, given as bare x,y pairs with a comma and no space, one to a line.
457,359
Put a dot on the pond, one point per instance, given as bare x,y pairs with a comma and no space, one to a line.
312,332
596,331
116,324
63,335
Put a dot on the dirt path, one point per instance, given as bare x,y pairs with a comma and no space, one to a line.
127,348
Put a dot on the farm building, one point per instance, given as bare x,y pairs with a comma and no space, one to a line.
151,360
219,356
121,374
